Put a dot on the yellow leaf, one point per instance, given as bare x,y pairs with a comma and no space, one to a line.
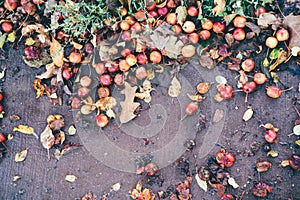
116,186
57,53
282,56
72,130
20,157
11,37
16,178
285,163
272,153
29,41
248,114
175,88
202,184
10,137
220,6
70,178
25,129
77,45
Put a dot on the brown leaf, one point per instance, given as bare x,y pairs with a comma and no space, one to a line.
243,79
218,116
47,138
206,61
51,70
293,22
57,53
26,30
267,19
229,38
55,122
128,105
66,149
220,189
253,27
219,7
175,88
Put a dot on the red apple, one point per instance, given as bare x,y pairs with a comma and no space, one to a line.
239,34
282,35
162,11
192,11
239,22
204,34
105,79
194,38
142,58
218,27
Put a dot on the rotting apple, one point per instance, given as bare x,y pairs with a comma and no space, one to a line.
101,120
248,65
162,11
142,58
171,18
119,79
105,79
6,27
259,78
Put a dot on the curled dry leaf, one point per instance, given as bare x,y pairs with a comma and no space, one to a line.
55,122
145,91
270,127
116,187
282,57
70,178
14,118
26,130
128,105
106,103
66,149
254,28
57,53
175,87
206,61
243,79
21,156
219,7
272,153
261,189
201,183
59,137
16,178
72,130
232,182
248,114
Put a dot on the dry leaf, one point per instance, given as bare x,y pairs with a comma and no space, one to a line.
206,61
10,137
202,184
51,70
28,29
21,156
70,178
229,39
272,153
254,28
282,56
72,130
270,126
16,178
248,114
128,105
106,103
232,182
77,45
59,137
285,163
229,18
221,79
47,139
293,22
267,19
14,118
219,7
145,91
56,121
218,116
25,129
66,149
173,47
116,187
181,13
57,53
175,88
243,79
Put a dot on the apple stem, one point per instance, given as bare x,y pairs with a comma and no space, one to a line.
48,152
287,89
246,98
297,110
5,146
183,117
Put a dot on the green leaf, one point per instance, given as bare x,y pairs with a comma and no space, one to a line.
266,62
274,53
2,40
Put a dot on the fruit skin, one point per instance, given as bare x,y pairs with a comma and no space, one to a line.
177,29
171,18
226,91
239,34
119,79
239,22
100,68
113,67
83,92
67,74
192,11
249,87
124,25
130,20
225,159
259,78
75,103
10,4
194,38
32,52
151,5
282,35
131,59
271,42
218,27
155,57
101,120
294,161
1,96
259,11
6,27
204,35
207,24
162,11
191,108
188,27
153,13
105,79
270,136
103,92
75,57
273,92
126,36
2,137
125,52
151,169
1,108
248,65
137,27
142,58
